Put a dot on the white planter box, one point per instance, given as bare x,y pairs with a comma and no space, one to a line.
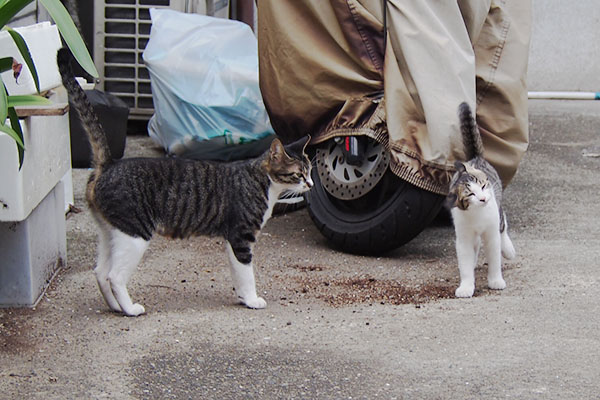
32,204
47,161
43,41
33,251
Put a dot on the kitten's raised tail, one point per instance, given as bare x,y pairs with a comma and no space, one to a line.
81,104
470,132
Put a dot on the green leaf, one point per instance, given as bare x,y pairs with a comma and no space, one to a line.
24,50
70,34
11,132
16,125
3,103
10,8
28,100
6,64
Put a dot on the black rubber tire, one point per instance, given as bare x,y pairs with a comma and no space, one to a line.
390,215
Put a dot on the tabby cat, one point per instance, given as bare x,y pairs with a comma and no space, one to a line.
475,200
133,198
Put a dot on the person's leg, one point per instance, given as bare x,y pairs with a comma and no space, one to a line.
320,63
501,54
429,71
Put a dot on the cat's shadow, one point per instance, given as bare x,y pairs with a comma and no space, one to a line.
200,296
435,242
180,303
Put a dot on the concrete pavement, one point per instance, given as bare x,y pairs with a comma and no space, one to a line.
339,326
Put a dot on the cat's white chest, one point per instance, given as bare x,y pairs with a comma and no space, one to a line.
272,197
477,219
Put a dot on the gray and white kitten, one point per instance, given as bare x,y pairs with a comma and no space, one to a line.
475,200
131,199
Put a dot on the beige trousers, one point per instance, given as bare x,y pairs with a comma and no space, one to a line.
327,69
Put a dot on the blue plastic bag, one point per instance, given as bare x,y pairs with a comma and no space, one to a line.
204,77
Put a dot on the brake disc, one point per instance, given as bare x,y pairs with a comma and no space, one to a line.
348,182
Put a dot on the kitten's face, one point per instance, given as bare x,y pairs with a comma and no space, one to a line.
289,165
472,188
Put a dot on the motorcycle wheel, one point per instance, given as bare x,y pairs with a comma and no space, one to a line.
389,215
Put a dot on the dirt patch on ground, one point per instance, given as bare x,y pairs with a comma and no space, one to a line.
343,291
366,289
310,268
14,330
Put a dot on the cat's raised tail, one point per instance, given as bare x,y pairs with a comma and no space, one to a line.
81,104
470,132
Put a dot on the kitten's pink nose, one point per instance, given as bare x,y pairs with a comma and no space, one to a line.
483,199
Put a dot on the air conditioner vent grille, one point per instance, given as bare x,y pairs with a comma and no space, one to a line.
123,36
122,32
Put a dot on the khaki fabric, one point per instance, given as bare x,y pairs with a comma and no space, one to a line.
327,69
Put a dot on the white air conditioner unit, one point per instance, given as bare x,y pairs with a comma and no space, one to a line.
122,29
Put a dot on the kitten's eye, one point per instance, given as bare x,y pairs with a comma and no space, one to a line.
484,186
292,175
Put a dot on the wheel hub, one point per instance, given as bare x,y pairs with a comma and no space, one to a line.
348,182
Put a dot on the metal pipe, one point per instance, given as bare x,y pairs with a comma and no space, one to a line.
565,95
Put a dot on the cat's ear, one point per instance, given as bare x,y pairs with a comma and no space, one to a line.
460,167
277,151
450,201
306,142
296,149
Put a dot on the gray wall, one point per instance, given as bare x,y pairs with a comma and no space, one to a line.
565,46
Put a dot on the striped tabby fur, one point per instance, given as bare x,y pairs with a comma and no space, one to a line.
475,201
132,199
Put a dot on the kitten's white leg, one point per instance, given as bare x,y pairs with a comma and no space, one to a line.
508,250
127,252
103,268
243,281
467,248
494,259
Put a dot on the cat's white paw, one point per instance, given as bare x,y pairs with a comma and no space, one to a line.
135,310
255,303
509,252
464,290
497,284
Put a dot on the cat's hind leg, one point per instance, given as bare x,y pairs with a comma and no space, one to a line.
103,267
126,253
508,250
242,274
